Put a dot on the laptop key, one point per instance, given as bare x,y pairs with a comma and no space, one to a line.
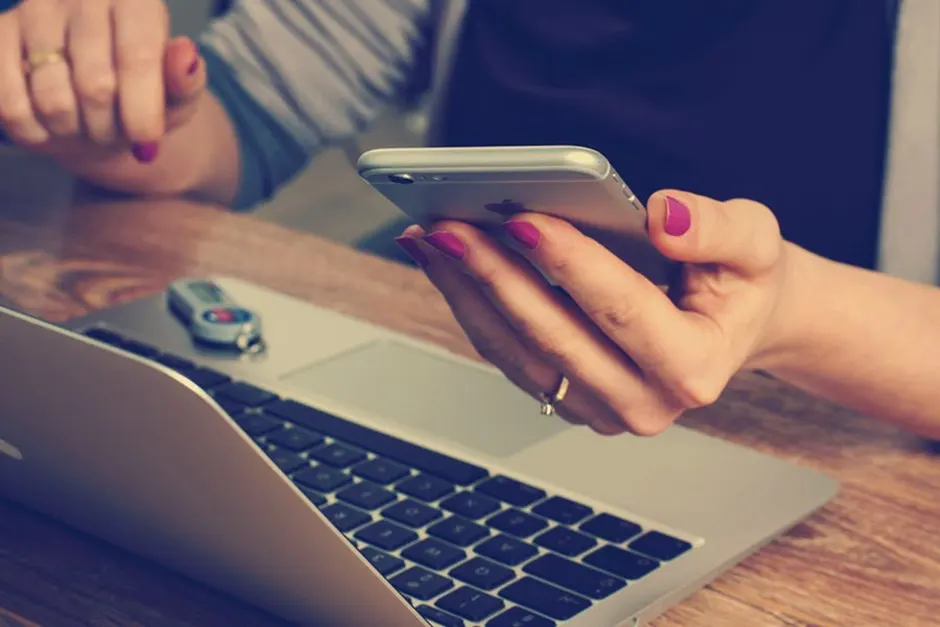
426,487
287,461
206,378
140,349
386,535
506,550
611,528
322,478
470,504
617,561
295,439
565,541
338,455
383,562
511,491
433,554
660,546
245,394
470,604
412,513
366,495
482,573
438,464
315,497
519,617
421,584
517,523
439,617
174,362
105,336
232,408
562,510
458,530
382,471
545,598
255,424
591,583
345,518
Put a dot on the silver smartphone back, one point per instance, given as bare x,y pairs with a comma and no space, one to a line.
484,185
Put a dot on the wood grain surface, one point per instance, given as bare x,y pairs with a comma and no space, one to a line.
870,558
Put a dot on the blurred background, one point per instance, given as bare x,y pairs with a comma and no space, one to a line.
327,199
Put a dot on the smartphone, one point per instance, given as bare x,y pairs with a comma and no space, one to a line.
484,185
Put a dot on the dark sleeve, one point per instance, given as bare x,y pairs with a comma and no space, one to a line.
269,155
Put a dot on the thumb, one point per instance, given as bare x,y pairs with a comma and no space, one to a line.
184,72
738,234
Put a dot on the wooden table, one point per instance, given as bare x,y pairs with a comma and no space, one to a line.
871,558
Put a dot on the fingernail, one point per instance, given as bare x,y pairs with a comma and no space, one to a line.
410,246
194,67
447,243
678,217
145,153
524,232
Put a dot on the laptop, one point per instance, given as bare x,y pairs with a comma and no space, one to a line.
350,475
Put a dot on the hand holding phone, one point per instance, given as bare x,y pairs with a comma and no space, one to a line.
485,186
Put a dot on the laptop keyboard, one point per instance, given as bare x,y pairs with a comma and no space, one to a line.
464,545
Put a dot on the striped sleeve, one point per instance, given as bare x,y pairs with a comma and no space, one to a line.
296,76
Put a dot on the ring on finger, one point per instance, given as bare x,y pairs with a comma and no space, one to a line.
556,396
37,60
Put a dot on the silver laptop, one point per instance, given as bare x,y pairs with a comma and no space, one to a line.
347,475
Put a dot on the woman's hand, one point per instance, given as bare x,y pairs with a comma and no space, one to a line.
88,79
636,357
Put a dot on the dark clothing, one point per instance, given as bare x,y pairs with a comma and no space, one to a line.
780,101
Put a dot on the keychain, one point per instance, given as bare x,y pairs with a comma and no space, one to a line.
213,318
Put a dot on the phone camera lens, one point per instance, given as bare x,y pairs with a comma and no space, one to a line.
401,179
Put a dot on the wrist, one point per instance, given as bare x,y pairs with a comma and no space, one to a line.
787,340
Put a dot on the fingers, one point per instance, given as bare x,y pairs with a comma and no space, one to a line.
141,31
665,342
553,327
739,234
95,79
43,28
17,118
495,340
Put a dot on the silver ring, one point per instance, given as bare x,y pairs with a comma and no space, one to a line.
557,396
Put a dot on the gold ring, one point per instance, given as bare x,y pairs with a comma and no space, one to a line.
557,396
36,60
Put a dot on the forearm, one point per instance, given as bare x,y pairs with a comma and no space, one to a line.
865,340
198,160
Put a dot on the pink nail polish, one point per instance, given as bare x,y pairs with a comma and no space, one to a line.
524,232
678,217
447,243
145,153
410,246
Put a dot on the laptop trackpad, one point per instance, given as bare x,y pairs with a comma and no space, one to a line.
426,392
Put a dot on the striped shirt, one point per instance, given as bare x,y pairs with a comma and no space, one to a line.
298,76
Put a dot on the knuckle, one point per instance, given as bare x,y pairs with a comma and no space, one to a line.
135,57
696,391
15,111
98,90
616,316
57,109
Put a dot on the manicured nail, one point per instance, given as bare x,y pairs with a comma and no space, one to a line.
145,153
678,217
447,243
410,246
194,67
524,232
